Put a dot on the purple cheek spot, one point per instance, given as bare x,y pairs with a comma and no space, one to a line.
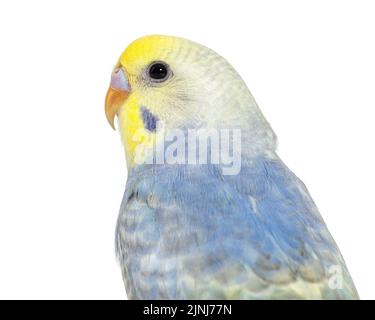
149,120
119,80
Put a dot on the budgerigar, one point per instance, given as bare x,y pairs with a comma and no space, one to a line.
189,230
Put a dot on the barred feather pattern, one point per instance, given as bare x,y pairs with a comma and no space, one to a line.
188,232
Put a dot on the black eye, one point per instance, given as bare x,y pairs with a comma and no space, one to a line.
158,71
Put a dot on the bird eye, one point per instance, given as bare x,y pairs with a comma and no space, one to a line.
159,71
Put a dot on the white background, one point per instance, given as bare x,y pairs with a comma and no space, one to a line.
309,64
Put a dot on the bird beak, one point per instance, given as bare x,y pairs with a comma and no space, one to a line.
116,95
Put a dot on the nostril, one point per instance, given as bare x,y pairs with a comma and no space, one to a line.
119,80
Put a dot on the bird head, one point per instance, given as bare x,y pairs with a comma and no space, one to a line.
183,85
